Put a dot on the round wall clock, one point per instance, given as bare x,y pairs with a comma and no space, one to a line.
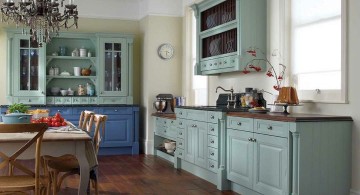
166,51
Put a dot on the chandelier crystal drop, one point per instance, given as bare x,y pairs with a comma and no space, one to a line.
41,19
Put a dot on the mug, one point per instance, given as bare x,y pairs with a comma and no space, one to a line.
77,71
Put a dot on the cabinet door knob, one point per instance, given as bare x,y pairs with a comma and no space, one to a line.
254,140
180,123
42,92
101,92
180,113
212,117
115,110
165,131
29,100
239,123
212,154
212,129
180,133
212,141
212,166
180,144
269,127
180,154
195,125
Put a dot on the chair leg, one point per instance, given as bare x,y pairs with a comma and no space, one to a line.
54,176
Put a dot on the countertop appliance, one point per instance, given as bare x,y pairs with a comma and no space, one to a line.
164,103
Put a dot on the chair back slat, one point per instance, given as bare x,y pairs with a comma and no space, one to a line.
86,120
100,121
11,160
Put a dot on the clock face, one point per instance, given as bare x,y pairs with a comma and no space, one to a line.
166,51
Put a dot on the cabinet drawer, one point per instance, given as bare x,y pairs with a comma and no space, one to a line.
212,141
115,110
213,153
50,100
180,123
61,110
212,165
213,117
180,143
196,115
213,129
80,100
171,132
181,133
171,123
78,110
179,153
239,123
63,100
30,100
93,100
112,100
180,113
276,128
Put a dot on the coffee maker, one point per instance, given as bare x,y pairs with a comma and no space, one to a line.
164,103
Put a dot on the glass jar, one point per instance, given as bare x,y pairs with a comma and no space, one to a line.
81,90
51,71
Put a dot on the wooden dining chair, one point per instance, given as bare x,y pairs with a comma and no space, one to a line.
85,120
69,165
30,179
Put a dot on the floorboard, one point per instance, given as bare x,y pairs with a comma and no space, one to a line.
143,174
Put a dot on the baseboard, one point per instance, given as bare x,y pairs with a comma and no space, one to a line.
148,146
354,192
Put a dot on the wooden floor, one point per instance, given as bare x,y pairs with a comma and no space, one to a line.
143,174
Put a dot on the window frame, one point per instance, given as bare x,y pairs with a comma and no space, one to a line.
342,95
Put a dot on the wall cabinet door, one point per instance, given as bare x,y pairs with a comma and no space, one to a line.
27,67
240,157
270,164
114,70
118,131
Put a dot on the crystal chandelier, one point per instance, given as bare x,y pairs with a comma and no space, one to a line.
42,18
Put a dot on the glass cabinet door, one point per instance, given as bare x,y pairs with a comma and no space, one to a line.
113,67
29,80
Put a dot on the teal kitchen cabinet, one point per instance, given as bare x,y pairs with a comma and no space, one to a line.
115,75
288,154
225,30
201,144
26,70
258,161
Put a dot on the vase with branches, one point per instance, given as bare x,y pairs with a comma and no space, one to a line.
271,72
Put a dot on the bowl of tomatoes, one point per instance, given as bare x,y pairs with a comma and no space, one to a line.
52,121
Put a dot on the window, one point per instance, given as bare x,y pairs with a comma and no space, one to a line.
318,49
196,87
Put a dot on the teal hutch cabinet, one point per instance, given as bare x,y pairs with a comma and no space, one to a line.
225,30
32,75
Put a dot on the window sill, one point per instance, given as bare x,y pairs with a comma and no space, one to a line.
324,101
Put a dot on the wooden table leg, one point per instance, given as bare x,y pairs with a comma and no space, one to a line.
84,167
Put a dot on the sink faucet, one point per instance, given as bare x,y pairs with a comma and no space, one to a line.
231,99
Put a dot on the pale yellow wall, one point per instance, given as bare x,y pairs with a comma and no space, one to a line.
159,76
87,25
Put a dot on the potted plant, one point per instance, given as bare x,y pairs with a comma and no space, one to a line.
17,114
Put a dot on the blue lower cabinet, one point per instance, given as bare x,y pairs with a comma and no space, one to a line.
116,131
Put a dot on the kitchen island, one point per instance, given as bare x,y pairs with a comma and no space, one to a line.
265,153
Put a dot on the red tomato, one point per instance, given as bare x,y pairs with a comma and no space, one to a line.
49,123
63,123
57,115
33,121
53,124
54,119
45,119
57,124
61,119
39,120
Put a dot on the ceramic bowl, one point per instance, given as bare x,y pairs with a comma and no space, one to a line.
55,90
64,92
170,146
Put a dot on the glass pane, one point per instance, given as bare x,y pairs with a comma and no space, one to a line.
220,44
24,69
324,81
117,61
34,58
34,44
24,43
108,71
117,46
108,46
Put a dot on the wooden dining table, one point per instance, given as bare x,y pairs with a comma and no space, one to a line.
56,144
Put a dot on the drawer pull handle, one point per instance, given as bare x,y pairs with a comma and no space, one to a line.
212,154
180,133
212,141
239,123
180,123
194,125
180,113
269,127
180,154
250,139
58,111
212,129
212,117
115,110
172,121
180,144
212,166
254,140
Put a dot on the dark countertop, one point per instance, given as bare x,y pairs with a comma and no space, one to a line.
76,105
292,117
243,112
164,115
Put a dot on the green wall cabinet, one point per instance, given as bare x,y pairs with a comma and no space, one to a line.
225,30
26,72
